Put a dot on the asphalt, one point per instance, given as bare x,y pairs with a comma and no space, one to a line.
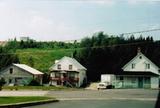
99,104
111,98
112,94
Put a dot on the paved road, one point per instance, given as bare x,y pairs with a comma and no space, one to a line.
115,98
121,94
99,104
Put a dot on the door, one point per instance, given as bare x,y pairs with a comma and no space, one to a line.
140,82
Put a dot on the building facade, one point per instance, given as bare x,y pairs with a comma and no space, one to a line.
140,72
20,74
67,72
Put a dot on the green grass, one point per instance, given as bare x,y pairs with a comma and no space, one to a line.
43,59
37,88
18,99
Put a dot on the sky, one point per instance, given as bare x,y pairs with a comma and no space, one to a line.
58,20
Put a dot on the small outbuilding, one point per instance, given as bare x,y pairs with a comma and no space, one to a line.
20,74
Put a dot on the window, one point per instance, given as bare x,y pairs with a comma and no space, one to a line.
140,57
147,66
147,80
70,67
133,66
59,66
11,70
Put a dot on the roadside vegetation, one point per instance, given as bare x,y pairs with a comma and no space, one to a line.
100,54
19,99
37,88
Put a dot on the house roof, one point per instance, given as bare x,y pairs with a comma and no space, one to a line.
140,54
137,73
72,61
28,69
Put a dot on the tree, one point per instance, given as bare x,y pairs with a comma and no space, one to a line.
31,61
2,82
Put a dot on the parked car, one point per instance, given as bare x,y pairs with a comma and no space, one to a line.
102,85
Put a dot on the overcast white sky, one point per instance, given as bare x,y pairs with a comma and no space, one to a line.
75,19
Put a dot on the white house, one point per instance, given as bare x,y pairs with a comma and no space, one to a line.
67,71
20,74
140,72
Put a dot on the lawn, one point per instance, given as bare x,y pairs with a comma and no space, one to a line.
18,99
42,59
37,88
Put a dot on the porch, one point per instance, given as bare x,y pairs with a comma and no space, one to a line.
137,80
64,78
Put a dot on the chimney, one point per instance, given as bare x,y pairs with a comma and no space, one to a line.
138,50
56,61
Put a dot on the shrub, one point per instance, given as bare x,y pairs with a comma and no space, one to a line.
34,83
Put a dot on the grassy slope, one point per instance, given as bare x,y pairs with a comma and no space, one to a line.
42,58
10,100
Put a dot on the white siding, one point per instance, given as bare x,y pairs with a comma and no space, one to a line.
64,65
82,76
140,65
154,82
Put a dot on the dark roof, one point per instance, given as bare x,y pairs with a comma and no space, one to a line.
137,73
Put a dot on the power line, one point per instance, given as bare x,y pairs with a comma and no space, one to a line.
144,31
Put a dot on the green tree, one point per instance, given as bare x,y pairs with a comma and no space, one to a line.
31,61
2,82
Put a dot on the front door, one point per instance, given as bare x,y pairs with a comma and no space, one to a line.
140,82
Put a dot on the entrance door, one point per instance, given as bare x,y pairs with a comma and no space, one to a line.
140,82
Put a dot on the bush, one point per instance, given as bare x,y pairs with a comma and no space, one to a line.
34,83
2,82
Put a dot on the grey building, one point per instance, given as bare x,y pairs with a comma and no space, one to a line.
20,74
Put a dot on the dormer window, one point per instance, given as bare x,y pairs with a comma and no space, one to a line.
70,67
58,66
133,65
147,66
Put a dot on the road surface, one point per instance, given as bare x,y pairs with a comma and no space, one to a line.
98,104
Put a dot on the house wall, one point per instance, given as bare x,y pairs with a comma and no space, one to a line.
82,76
133,82
154,82
22,76
140,65
64,65
130,82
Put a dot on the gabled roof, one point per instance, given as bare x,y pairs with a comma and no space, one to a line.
140,54
71,61
28,69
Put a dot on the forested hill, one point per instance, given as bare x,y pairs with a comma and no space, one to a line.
105,54
100,53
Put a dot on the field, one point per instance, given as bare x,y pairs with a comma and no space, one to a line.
42,59
17,99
